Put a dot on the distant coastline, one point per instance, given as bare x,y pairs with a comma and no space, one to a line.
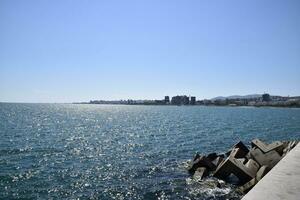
257,100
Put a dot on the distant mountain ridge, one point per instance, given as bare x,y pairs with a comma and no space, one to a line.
249,96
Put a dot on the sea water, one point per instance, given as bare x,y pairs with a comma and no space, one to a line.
71,151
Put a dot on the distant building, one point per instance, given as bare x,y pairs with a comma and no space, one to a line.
176,100
206,102
180,100
193,101
185,100
130,101
266,97
167,99
159,102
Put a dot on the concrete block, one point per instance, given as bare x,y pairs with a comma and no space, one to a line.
285,151
259,175
222,155
241,146
242,152
278,146
242,160
217,161
234,166
262,172
201,161
294,143
238,153
200,173
248,156
269,159
252,166
248,186
196,157
289,146
285,144
212,156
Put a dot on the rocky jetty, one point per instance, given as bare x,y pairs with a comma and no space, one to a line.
247,166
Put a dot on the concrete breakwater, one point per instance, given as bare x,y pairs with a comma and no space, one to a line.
241,165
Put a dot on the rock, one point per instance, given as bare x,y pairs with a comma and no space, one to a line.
200,173
269,159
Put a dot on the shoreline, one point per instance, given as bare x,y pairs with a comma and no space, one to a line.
250,106
231,106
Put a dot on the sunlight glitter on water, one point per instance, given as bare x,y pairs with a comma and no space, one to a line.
123,152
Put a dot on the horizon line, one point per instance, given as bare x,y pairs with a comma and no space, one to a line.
41,102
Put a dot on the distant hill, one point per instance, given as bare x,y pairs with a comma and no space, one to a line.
249,96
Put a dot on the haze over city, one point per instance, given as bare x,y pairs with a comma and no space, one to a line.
68,51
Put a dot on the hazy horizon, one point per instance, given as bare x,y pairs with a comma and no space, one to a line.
74,51
142,99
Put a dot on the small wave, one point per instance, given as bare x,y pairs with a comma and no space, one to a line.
210,188
15,151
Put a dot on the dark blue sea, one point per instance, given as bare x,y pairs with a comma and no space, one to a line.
68,151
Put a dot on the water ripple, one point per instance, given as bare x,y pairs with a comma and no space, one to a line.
64,151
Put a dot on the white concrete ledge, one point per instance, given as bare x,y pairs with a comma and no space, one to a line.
282,182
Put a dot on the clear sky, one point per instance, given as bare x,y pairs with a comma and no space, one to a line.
77,50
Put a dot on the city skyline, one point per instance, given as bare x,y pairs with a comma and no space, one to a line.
255,100
73,51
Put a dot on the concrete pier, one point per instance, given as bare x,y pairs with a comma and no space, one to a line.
282,182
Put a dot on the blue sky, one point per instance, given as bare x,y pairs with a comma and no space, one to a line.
66,51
